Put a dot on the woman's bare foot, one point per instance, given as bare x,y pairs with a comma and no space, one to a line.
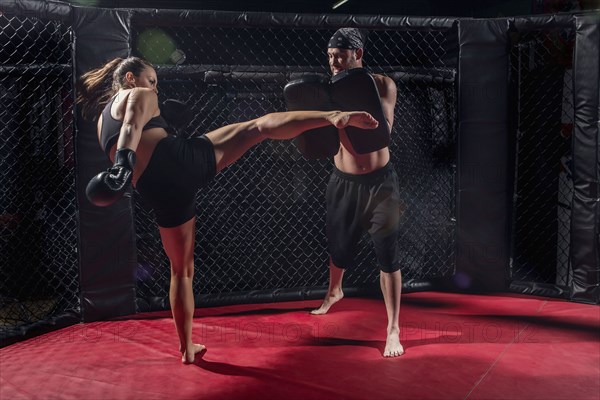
359,119
330,299
189,355
393,348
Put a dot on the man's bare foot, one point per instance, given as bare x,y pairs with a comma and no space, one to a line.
189,355
393,348
330,299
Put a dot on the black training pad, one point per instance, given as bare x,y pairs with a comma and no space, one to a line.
356,90
310,93
351,90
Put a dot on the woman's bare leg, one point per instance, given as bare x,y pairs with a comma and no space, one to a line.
232,141
178,243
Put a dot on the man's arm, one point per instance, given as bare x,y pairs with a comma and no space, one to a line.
387,93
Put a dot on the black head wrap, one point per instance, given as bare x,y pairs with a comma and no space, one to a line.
346,38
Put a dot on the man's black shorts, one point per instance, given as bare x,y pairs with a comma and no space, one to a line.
359,203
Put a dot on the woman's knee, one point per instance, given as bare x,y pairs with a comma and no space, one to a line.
265,125
182,270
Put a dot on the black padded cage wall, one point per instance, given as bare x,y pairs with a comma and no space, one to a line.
261,224
541,62
39,270
480,141
555,156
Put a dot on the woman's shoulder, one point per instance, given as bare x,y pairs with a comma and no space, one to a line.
140,96
140,92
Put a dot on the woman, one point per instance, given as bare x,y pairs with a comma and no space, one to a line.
167,170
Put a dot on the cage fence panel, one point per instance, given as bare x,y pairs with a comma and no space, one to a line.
261,223
38,229
541,74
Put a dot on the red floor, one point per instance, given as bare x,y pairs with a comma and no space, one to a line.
457,347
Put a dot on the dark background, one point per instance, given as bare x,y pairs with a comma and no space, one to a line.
458,8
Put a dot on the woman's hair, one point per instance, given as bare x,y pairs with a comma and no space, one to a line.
97,86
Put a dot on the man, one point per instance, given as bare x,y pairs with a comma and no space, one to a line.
363,195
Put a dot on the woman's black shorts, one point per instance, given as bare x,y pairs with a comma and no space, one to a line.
177,168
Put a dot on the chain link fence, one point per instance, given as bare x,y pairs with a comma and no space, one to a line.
541,70
261,224
39,276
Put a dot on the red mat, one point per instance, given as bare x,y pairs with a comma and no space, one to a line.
457,347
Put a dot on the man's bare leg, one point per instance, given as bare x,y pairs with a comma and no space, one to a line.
334,293
391,287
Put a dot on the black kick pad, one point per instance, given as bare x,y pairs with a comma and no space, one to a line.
356,90
310,93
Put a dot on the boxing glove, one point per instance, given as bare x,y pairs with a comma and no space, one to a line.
177,114
109,186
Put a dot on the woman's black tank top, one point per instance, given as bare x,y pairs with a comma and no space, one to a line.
109,132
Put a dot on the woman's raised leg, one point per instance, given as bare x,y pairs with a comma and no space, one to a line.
232,141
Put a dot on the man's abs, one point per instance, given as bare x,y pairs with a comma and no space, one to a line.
349,161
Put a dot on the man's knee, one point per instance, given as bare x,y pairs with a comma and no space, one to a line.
390,268
337,264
